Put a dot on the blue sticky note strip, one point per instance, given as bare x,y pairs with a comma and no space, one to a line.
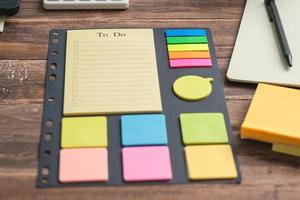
149,129
185,32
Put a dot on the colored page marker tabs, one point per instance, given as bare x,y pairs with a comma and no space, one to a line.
185,32
192,88
190,63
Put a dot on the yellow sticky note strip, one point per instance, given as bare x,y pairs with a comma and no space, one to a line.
273,116
187,47
84,132
111,71
286,149
210,162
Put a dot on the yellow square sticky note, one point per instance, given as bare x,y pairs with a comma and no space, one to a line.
111,71
210,162
84,132
273,116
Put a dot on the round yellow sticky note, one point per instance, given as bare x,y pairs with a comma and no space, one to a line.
192,88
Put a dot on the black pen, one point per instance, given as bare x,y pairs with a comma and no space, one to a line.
274,17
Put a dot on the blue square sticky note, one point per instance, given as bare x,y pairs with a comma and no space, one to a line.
147,129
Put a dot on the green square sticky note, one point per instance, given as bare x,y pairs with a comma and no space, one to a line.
79,132
203,128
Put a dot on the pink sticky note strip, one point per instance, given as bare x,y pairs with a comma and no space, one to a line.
83,165
190,63
150,163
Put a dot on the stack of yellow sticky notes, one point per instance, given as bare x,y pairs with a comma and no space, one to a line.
274,117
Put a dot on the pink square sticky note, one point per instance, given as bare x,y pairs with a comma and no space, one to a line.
83,165
151,163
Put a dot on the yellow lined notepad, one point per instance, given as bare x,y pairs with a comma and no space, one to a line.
111,71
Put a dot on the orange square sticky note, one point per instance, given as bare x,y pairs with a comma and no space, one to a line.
83,165
273,116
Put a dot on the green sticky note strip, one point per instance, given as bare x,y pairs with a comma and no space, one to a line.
186,40
286,149
203,128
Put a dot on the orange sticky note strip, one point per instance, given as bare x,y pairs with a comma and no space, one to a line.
189,54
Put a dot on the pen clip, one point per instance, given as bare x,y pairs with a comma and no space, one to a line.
267,4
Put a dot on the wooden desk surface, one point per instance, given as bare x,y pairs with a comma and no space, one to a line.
23,54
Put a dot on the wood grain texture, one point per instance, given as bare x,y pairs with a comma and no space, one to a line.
23,53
